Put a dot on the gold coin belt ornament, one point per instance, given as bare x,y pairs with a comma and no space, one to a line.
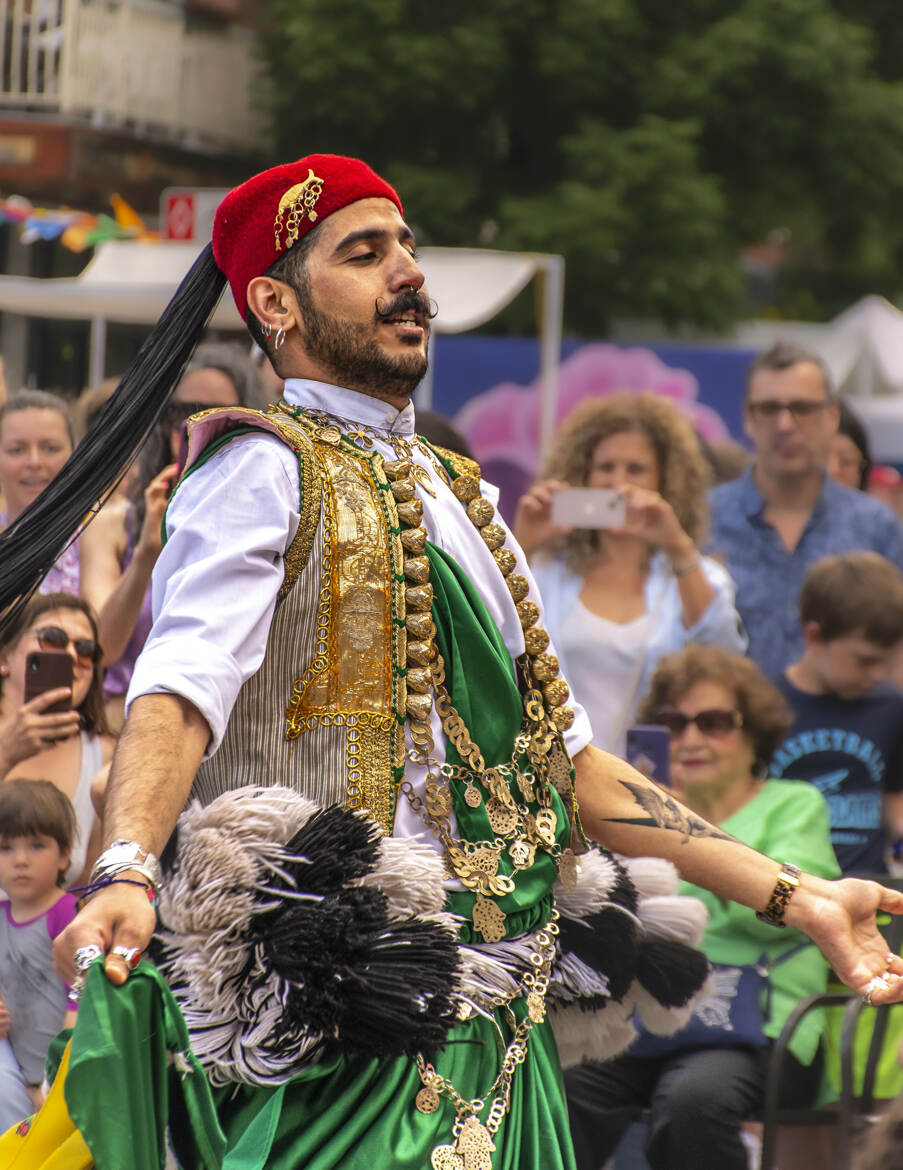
473,1145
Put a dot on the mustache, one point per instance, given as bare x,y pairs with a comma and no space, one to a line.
410,300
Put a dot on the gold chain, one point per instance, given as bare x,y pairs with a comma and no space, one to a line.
471,1135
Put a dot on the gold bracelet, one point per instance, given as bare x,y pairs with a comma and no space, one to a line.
788,880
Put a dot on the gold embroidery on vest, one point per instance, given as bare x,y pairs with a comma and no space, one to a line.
351,681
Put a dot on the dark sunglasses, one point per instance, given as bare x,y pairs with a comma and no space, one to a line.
54,638
800,408
714,722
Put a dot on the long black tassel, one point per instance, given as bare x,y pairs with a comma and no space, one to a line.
30,546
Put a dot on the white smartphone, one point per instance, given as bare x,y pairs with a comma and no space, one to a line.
589,508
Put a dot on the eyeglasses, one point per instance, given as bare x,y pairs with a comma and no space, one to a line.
716,722
801,409
55,638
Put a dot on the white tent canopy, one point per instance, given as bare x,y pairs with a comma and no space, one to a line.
130,282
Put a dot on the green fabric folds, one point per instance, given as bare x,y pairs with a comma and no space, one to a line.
131,1071
480,679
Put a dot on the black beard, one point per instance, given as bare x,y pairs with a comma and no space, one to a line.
336,345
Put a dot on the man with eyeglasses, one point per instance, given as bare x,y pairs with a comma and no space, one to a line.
785,513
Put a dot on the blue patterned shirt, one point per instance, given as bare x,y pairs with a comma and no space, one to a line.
769,578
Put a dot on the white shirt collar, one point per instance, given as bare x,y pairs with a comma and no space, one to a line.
351,405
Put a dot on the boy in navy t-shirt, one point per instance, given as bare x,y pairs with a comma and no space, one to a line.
847,736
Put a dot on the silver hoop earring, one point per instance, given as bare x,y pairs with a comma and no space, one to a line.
280,339
267,329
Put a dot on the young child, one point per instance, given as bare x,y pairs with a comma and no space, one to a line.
37,826
847,737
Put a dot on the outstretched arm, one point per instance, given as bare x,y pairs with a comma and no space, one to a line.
624,811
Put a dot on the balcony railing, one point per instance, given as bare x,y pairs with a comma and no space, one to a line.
131,64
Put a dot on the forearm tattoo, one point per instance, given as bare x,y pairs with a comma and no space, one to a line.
663,812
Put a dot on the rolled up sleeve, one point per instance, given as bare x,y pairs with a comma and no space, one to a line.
216,582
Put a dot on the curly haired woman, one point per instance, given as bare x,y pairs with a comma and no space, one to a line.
617,599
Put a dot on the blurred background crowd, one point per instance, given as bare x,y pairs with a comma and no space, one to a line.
720,183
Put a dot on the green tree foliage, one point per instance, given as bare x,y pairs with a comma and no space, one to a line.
647,140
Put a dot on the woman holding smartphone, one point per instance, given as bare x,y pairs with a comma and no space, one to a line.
68,747
618,598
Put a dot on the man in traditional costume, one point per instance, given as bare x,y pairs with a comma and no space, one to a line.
383,886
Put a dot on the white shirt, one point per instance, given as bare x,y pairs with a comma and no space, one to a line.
216,581
605,660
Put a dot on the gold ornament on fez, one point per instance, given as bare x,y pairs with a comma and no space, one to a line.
297,203
438,803
483,859
427,1100
488,919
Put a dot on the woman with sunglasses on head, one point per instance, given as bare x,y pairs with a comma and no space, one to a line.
124,540
66,747
726,720
617,599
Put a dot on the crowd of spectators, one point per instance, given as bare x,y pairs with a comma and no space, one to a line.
759,620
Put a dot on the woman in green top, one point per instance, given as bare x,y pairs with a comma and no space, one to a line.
726,721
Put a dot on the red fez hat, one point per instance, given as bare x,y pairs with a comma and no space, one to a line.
259,221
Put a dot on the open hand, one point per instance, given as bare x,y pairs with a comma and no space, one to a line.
841,922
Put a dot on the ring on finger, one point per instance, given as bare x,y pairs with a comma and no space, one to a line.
131,956
876,983
85,956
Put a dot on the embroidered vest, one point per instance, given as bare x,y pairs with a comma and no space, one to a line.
325,712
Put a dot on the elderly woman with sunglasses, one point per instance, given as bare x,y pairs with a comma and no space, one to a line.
66,747
726,721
